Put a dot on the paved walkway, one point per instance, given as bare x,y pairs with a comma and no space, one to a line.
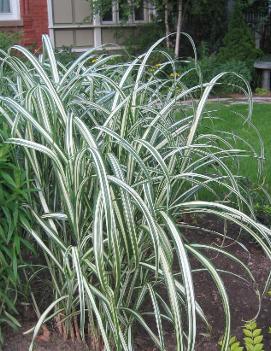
242,100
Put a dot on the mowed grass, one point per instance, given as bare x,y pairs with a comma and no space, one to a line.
229,120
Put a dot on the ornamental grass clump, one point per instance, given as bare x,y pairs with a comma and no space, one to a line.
114,171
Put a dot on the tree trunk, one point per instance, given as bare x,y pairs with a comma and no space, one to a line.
167,23
179,28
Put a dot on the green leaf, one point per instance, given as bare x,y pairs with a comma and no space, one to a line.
248,341
256,332
248,333
258,339
258,347
233,339
236,347
251,325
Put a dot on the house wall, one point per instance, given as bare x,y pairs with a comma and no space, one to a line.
32,24
72,24
35,21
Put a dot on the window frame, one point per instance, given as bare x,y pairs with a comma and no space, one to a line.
131,17
14,15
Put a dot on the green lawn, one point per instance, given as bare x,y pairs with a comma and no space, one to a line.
229,121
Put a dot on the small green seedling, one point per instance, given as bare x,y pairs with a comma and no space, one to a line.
253,337
234,344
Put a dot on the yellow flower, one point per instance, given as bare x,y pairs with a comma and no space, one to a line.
93,60
174,75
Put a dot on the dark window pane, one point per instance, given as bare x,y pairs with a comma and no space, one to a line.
108,15
5,6
139,11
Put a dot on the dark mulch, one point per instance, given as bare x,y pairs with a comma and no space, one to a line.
19,342
243,300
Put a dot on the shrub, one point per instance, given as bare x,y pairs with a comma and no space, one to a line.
65,55
12,242
262,91
7,39
232,84
114,172
147,34
210,67
238,43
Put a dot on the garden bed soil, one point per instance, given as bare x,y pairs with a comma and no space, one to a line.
18,342
243,300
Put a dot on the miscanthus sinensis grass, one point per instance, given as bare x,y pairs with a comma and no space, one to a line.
113,172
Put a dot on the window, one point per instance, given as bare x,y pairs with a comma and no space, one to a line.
139,11
5,6
108,15
124,11
9,10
